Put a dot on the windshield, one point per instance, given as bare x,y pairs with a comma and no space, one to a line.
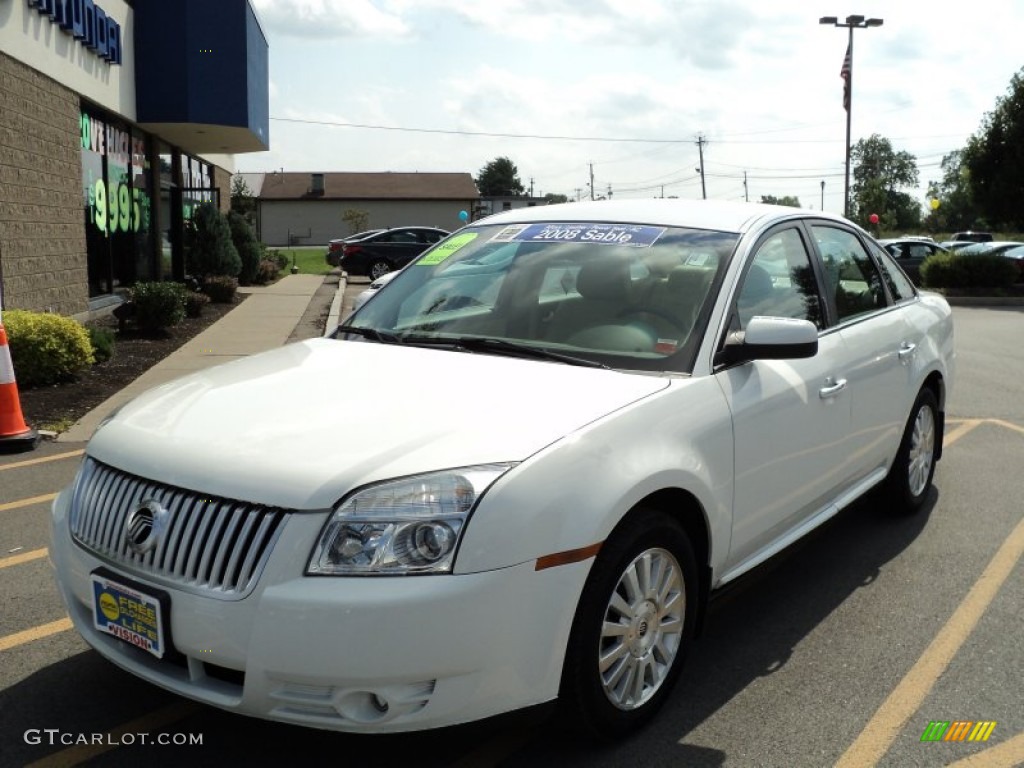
621,295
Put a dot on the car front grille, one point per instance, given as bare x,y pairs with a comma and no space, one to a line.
207,545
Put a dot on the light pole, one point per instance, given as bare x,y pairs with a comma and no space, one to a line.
851,23
823,194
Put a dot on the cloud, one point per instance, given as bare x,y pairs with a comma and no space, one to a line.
323,19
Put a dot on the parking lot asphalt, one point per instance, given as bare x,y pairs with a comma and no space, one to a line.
841,651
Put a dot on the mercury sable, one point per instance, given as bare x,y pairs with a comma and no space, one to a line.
598,414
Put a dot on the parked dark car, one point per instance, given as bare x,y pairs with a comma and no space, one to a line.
335,246
910,253
388,250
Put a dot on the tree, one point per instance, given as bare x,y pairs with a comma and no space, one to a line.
956,207
995,160
357,219
791,201
552,198
242,200
878,174
209,250
499,178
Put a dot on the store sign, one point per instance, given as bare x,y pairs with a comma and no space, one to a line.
116,204
86,21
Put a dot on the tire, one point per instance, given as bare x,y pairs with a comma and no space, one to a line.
642,636
910,478
377,268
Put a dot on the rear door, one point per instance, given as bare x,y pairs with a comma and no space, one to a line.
880,344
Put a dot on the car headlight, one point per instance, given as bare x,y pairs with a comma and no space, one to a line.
411,525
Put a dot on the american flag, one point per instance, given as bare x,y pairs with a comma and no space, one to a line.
845,74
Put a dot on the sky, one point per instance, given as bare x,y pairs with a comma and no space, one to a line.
625,90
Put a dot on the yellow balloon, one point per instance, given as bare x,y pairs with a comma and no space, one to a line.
935,203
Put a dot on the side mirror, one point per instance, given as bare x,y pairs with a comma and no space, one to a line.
770,338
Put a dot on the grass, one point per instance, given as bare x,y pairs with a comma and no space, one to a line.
310,261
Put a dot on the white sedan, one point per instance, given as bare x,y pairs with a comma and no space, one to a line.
599,413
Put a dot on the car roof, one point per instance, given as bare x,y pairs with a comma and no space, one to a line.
718,215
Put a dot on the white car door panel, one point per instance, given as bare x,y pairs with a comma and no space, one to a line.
797,414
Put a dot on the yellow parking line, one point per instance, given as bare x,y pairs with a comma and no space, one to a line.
24,557
27,502
42,459
143,725
1007,424
890,718
36,633
962,429
1009,754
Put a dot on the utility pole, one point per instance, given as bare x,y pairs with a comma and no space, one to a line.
591,181
578,190
823,194
531,186
609,191
700,148
746,197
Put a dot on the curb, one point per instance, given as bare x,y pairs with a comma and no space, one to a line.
985,301
334,315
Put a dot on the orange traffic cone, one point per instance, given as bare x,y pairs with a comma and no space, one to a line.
15,434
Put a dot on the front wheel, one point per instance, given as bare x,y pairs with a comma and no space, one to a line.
632,628
912,470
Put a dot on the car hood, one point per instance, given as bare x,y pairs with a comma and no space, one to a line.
301,425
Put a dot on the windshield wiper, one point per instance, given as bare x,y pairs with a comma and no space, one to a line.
501,346
369,333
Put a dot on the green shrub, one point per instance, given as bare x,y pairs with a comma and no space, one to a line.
46,348
283,260
158,305
102,340
954,270
194,303
220,289
208,247
267,271
248,247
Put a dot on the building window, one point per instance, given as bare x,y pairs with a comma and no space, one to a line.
116,194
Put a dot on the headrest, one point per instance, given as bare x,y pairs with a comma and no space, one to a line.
757,285
606,279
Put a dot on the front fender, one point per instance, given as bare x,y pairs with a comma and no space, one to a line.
573,493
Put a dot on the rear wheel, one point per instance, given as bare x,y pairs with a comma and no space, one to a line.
632,628
378,267
912,470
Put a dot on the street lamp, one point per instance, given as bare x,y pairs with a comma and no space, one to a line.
851,23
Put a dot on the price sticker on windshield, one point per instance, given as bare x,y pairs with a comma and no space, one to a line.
446,249
633,235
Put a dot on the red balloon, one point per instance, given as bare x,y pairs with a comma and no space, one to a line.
873,218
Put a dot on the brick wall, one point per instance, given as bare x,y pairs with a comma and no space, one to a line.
42,229
222,180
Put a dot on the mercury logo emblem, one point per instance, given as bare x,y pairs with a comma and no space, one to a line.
145,526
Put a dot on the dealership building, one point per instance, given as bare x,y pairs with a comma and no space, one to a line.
117,118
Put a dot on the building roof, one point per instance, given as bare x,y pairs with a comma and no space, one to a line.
368,186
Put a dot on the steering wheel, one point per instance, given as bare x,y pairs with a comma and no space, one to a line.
640,310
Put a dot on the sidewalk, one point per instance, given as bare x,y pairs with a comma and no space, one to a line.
269,318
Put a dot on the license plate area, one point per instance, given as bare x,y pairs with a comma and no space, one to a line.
133,613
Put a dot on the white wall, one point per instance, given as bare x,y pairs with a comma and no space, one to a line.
318,221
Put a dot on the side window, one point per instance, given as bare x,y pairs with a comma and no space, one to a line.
779,282
899,285
852,281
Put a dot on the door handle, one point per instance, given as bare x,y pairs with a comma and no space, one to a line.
832,388
906,350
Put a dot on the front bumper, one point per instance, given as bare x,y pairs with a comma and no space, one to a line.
353,654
